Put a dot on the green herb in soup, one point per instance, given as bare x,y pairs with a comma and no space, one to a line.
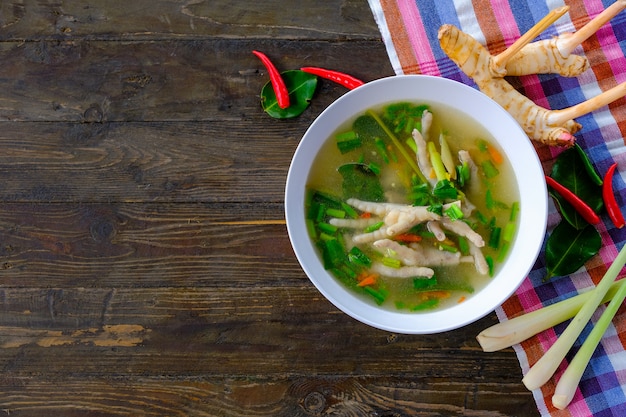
413,206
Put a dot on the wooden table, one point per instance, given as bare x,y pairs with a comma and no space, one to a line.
145,264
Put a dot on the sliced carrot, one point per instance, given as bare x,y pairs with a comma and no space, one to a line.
370,279
365,215
437,294
407,237
495,155
363,275
463,298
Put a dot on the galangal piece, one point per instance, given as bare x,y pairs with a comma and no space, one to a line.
551,127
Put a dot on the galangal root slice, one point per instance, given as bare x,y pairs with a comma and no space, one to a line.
556,53
551,127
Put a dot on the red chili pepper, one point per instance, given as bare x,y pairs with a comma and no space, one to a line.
608,195
581,207
346,80
282,94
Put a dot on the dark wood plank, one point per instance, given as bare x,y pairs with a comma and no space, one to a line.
145,244
189,143
259,396
151,162
255,342
158,19
208,79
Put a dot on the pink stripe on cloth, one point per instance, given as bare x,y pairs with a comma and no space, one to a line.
609,42
419,39
506,21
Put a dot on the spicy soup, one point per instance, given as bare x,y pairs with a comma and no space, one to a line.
413,206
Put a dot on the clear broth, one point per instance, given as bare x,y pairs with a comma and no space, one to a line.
461,132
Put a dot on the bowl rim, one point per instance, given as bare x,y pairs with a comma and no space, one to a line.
426,88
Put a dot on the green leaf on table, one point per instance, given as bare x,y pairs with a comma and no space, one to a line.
301,87
569,170
360,181
568,248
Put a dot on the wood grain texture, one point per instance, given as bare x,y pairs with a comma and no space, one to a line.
162,81
145,268
175,19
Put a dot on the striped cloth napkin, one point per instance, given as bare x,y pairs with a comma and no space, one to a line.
409,29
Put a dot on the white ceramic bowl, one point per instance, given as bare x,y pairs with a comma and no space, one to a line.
513,141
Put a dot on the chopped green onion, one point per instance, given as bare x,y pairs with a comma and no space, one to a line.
481,218
310,227
489,261
489,200
339,214
514,211
342,276
391,262
324,237
409,125
379,295
358,257
333,253
374,227
436,208
349,135
448,248
463,244
483,145
454,212
400,305
463,174
382,149
425,305
444,189
508,232
320,212
494,237
327,199
420,194
348,141
504,250
351,212
424,283
349,271
327,228
489,169
426,234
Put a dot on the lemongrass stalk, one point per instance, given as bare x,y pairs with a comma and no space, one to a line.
410,160
446,156
566,387
516,330
437,163
543,370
